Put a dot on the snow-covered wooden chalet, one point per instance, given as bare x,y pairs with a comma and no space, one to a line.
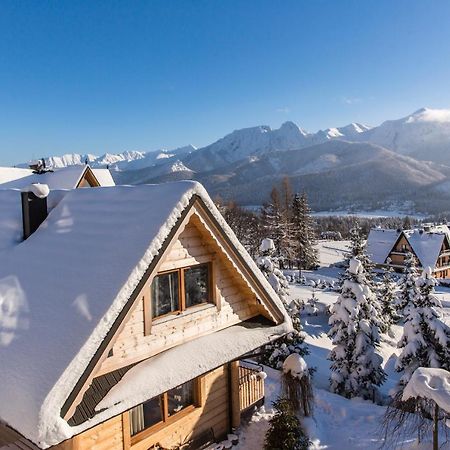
124,318
430,245
70,177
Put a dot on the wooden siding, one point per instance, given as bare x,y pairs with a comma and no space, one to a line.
212,418
105,436
235,302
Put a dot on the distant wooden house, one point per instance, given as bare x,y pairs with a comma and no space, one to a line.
128,313
430,245
71,177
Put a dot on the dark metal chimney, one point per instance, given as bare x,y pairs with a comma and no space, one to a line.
34,208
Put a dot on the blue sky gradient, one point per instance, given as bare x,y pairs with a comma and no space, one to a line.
109,76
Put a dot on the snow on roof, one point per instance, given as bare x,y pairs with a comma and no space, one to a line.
426,246
57,179
380,242
431,384
162,372
8,174
65,178
11,229
104,177
62,289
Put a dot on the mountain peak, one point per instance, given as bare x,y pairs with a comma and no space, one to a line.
420,111
429,115
289,125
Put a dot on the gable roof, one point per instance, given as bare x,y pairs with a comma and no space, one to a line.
57,179
380,243
104,177
67,284
426,245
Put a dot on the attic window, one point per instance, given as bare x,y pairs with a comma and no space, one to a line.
178,290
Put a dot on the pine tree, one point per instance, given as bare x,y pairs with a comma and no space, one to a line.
355,364
276,352
287,242
268,264
285,431
426,338
303,233
271,218
387,298
358,248
408,285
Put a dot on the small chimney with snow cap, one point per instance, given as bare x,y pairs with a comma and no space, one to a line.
34,207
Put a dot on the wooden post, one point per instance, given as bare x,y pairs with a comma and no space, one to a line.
235,406
436,428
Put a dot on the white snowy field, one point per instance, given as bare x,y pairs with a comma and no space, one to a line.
337,423
373,214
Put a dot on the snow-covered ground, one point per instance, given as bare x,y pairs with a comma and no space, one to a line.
337,423
374,214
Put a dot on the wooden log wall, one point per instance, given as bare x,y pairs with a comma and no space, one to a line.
235,303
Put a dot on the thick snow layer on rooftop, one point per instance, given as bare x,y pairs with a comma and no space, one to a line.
104,177
426,246
11,228
380,243
433,384
8,174
187,361
92,250
57,179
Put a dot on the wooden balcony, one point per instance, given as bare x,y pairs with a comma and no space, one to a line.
251,385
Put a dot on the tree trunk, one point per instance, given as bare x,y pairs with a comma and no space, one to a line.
435,428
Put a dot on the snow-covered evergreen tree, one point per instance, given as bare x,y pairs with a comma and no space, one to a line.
426,338
285,431
276,352
268,264
272,220
305,252
358,248
408,284
355,365
387,298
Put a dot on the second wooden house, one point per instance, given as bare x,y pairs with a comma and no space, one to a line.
430,245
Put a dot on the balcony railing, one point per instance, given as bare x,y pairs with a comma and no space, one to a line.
251,384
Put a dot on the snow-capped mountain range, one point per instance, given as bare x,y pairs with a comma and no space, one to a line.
407,154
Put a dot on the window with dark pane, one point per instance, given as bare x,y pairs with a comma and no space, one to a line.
196,285
146,415
164,293
180,397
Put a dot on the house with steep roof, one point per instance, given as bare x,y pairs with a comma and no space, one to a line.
430,245
125,318
70,177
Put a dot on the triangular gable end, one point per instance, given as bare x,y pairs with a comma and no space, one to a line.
197,218
87,179
402,234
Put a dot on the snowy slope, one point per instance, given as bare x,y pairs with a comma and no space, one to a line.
248,142
425,134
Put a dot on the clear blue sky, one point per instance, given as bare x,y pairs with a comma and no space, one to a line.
90,76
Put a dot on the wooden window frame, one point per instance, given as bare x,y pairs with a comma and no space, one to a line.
198,388
181,293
